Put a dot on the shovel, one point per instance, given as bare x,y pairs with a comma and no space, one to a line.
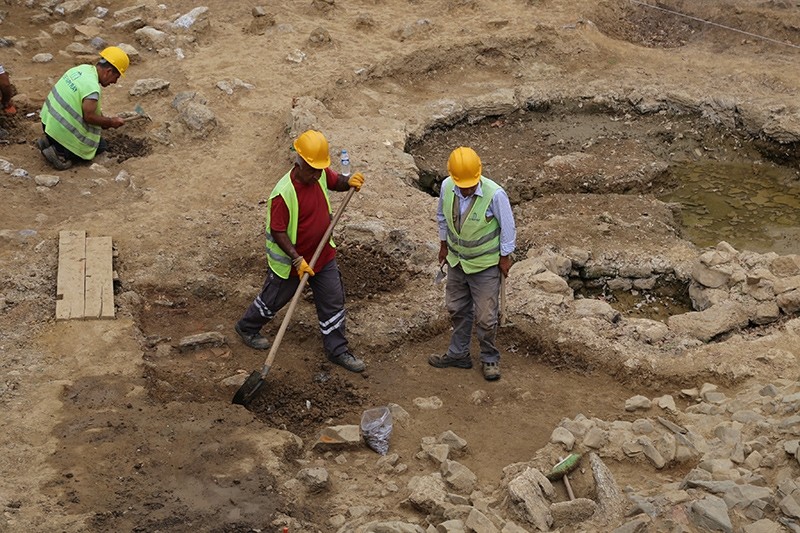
562,469
441,275
255,382
504,323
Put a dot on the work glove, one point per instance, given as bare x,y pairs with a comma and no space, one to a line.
302,267
356,181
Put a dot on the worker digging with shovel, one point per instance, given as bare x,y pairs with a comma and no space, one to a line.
299,249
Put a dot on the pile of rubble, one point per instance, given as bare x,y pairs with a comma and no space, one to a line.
719,464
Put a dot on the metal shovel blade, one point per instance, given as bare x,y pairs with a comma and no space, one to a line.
441,275
249,390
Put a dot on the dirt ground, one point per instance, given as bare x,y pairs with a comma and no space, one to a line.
109,426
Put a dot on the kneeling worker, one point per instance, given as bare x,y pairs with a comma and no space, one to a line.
71,115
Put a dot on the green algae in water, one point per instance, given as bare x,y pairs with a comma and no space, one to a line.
752,206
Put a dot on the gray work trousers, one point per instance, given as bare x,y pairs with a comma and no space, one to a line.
473,298
328,292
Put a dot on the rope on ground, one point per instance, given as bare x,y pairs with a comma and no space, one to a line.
710,23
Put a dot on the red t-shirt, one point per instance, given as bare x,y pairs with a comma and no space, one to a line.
313,219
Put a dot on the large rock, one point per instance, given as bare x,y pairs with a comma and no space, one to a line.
72,7
786,265
711,514
196,19
789,302
314,479
570,513
196,116
151,38
458,476
148,85
646,330
611,502
339,437
527,492
705,325
589,307
479,523
428,494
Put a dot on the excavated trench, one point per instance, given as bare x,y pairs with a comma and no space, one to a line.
303,391
720,184
678,23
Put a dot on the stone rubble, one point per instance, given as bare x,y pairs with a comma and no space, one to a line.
740,456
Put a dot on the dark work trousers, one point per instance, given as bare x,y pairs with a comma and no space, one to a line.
66,154
328,291
473,298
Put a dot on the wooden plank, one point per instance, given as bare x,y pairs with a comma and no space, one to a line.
70,281
99,278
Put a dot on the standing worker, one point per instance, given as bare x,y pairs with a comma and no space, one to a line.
477,235
6,93
71,116
298,214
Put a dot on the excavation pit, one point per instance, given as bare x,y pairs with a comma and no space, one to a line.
123,146
729,185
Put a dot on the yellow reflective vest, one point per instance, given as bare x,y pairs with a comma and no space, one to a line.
476,245
279,262
62,113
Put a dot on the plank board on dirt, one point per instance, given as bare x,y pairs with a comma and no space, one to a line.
99,278
70,281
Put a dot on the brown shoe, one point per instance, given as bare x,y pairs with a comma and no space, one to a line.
491,371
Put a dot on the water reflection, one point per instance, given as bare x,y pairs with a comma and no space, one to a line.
753,206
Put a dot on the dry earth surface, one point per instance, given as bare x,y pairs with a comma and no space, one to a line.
579,108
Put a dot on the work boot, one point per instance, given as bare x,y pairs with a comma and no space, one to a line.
55,160
348,361
491,371
446,361
254,340
42,143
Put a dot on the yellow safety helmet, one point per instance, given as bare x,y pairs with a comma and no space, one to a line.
464,166
313,148
117,57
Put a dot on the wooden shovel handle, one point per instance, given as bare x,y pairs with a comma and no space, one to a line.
285,324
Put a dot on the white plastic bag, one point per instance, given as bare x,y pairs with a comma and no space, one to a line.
376,427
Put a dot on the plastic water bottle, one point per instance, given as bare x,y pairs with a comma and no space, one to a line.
345,164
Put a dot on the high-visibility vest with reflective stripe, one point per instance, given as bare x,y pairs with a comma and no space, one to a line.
279,262
62,113
477,246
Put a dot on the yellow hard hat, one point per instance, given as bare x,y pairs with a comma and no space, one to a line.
313,148
117,57
464,166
